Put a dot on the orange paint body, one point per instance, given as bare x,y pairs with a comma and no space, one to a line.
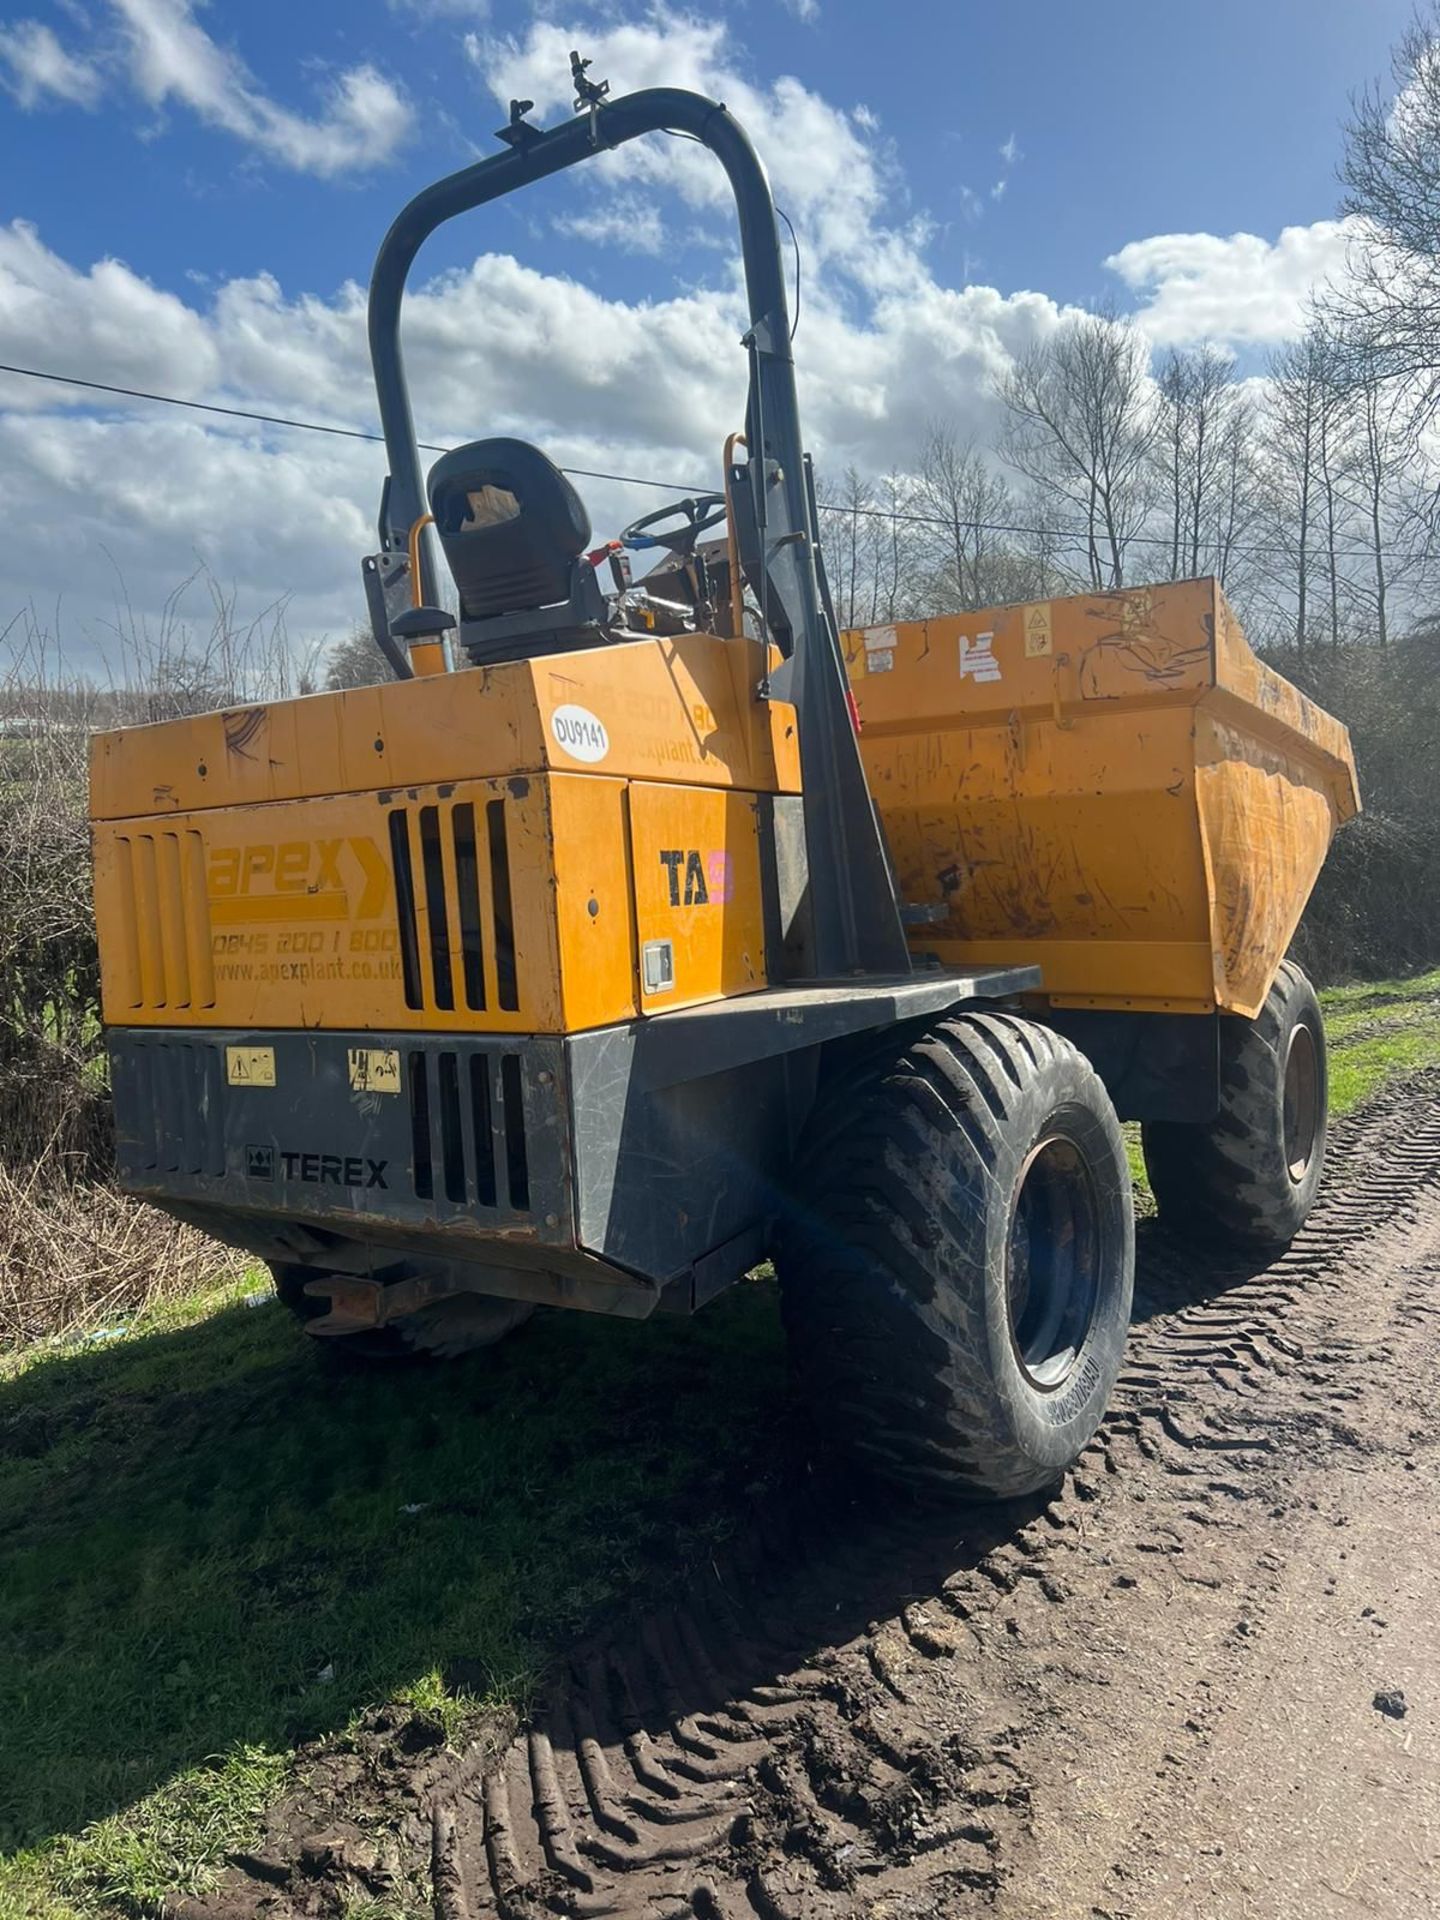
1110,787
483,851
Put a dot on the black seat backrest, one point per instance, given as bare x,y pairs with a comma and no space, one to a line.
511,525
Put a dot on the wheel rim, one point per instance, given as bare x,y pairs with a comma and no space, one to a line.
1302,1101
1052,1262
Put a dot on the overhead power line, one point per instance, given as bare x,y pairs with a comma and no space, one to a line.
1068,535
202,406
301,426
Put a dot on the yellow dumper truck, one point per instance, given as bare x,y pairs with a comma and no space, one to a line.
598,955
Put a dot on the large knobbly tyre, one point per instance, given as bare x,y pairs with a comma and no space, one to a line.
957,1262
1248,1178
461,1324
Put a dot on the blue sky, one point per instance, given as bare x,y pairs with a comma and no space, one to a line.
240,161
1132,117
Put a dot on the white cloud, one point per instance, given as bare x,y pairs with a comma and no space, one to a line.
1010,156
1238,288
171,56
471,10
806,11
105,324
625,220
41,69
167,56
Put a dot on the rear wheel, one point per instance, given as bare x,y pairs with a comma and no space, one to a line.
461,1324
1248,1178
957,1266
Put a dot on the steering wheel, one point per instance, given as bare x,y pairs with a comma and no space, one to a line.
700,514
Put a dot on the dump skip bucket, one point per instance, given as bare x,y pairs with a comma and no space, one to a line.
1111,787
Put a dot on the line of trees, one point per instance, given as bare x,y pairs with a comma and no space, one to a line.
1312,490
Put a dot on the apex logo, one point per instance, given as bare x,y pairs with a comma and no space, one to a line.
337,879
696,880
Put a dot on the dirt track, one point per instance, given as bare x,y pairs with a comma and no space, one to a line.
1153,1695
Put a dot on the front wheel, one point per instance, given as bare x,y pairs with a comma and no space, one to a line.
1249,1177
957,1265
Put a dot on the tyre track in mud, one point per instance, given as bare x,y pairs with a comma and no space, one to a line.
876,1710
851,1714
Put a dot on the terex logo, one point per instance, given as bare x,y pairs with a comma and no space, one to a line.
342,879
333,1169
315,1169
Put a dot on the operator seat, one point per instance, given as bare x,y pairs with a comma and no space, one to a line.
515,534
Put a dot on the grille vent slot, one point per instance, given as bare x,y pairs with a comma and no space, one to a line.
453,906
164,921
468,1130
177,1107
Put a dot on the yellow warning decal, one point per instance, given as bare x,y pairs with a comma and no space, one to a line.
250,1066
375,1069
1038,629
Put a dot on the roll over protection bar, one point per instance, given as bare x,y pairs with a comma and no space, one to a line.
855,915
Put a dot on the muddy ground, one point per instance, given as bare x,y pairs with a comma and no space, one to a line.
1202,1679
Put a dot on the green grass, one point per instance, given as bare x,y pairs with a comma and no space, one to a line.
217,1547
1378,1032
174,1840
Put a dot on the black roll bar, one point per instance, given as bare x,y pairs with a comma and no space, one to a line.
854,912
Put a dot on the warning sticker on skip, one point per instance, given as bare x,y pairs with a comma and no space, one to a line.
1039,629
977,657
879,649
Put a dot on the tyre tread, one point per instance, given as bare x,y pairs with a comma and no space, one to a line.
891,1189
1227,1180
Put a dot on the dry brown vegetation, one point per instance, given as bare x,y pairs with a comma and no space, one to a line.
73,1251
74,1254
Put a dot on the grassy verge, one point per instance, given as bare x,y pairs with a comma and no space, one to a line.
218,1547
1378,1032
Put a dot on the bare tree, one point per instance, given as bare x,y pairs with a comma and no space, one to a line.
1375,445
1235,509
892,550
1388,308
356,661
1173,382
970,506
1296,403
1197,397
1388,493
1336,448
845,527
1081,428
